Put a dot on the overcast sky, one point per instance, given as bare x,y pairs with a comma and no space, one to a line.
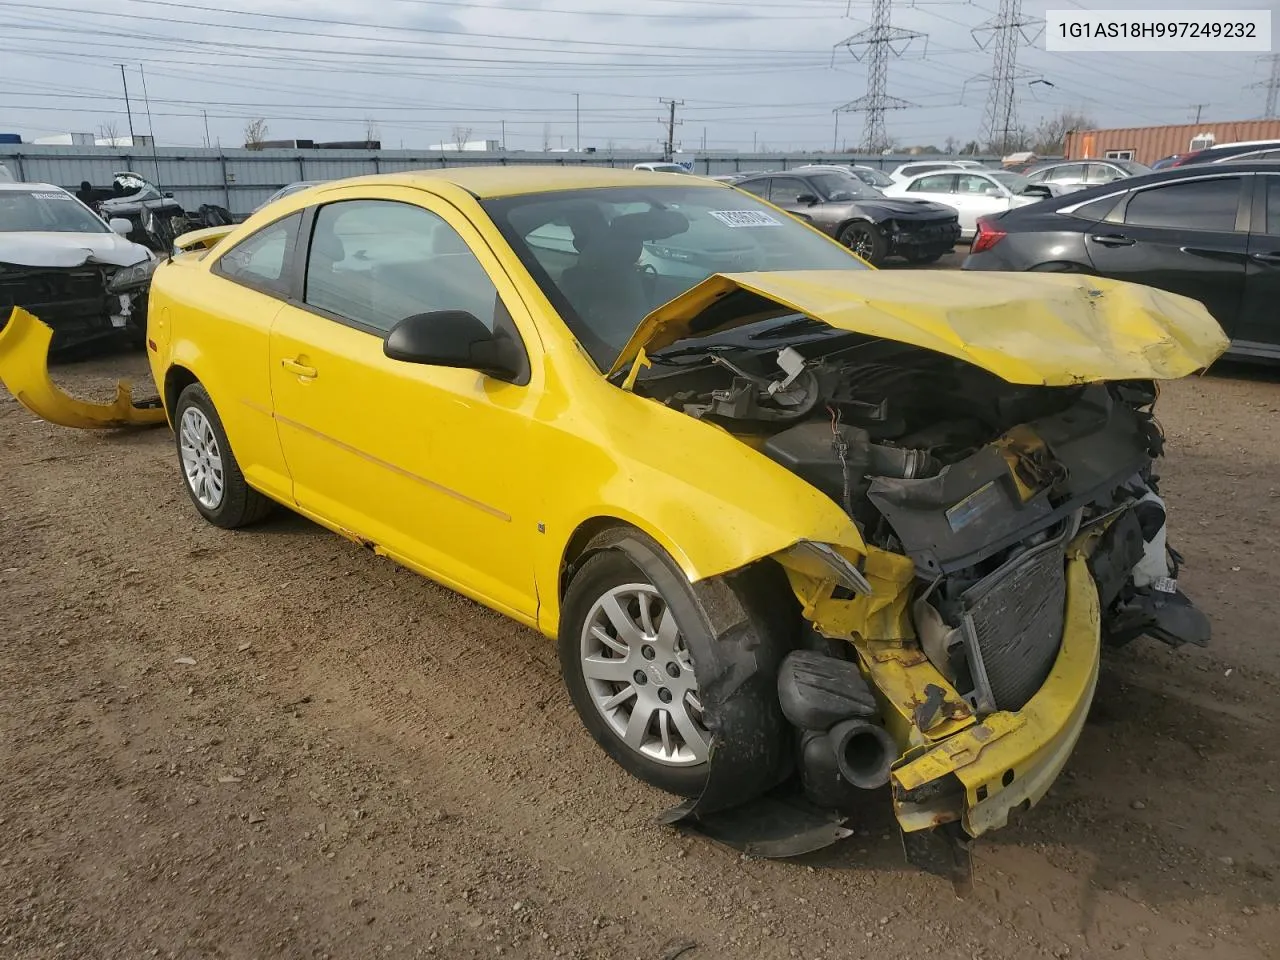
760,72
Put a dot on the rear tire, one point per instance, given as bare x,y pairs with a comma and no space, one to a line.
210,472
866,240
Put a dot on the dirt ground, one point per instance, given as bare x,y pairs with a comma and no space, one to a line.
274,744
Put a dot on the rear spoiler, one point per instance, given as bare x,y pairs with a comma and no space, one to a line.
201,239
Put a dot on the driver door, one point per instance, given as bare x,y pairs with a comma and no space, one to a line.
432,465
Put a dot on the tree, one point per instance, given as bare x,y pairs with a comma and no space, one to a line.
255,134
461,135
949,146
1050,134
371,131
108,131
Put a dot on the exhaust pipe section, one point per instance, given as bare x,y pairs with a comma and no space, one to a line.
843,749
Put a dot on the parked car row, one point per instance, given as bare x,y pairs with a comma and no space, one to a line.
1207,231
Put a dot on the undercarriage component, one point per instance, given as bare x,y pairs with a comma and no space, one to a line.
24,370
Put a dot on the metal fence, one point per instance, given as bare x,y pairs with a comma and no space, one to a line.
241,179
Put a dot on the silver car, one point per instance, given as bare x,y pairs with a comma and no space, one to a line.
1072,175
286,190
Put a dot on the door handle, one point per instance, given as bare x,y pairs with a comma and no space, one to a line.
1112,240
300,369
1265,257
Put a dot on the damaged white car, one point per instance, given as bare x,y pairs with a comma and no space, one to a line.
71,268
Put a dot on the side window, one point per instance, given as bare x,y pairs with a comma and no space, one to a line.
972,185
1067,173
939,183
1193,205
263,260
1272,186
1103,173
759,187
1097,209
375,262
788,190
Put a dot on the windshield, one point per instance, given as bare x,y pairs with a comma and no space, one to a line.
607,257
843,186
1014,182
875,178
51,211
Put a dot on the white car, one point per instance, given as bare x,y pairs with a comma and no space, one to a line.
67,266
973,193
906,171
661,167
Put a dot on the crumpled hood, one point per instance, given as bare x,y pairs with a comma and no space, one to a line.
899,206
1030,328
69,249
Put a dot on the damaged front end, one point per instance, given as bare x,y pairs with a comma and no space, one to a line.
89,303
1011,528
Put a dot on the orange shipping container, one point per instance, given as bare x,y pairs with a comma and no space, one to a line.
1149,144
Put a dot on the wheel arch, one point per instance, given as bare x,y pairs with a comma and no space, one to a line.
176,379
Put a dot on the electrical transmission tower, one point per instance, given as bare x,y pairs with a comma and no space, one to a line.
1272,85
1003,33
877,44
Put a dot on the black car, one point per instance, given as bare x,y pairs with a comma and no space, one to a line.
1231,152
870,224
1207,232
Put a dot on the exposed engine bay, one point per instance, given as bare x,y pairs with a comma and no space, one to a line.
980,482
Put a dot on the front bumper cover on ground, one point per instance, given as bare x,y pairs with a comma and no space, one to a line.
24,370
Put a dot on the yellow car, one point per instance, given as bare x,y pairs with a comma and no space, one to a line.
802,529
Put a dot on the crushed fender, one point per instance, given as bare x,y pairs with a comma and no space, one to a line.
24,370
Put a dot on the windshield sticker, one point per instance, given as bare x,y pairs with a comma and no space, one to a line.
745,218
52,196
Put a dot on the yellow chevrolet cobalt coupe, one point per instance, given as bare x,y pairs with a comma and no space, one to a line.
802,530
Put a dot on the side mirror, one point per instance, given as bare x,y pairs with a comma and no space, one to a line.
1036,190
168,196
452,338
120,225
808,199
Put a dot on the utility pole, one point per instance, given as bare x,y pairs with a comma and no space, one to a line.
878,43
670,149
205,114
504,135
1199,107
1002,32
1271,84
835,137
127,109
704,139
577,123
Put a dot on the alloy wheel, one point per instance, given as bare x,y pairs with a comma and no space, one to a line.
201,458
640,676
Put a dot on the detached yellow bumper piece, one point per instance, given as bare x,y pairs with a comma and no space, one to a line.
1009,760
24,370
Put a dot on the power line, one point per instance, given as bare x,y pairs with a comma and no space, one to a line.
877,43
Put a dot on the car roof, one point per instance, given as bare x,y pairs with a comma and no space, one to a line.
484,182
5,185
1167,175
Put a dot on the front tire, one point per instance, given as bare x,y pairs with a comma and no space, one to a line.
626,661
210,473
866,240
